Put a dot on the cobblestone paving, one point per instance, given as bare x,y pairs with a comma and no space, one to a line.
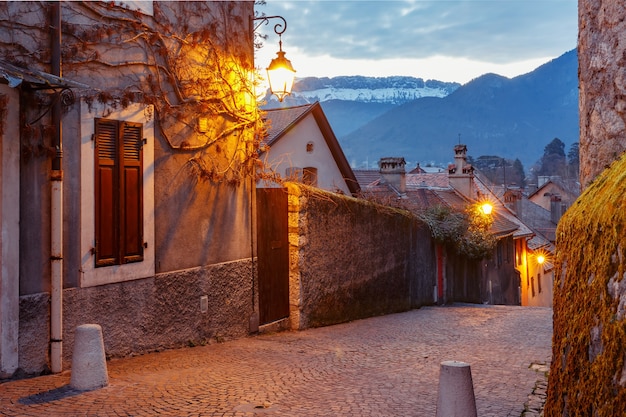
382,366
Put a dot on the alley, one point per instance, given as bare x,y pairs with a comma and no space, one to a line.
382,366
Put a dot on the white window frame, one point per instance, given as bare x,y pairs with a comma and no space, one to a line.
90,275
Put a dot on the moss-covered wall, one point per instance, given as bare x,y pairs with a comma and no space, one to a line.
588,371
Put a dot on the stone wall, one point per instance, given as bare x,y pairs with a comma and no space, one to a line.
602,78
144,315
588,369
351,259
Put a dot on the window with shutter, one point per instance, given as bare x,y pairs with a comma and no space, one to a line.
118,192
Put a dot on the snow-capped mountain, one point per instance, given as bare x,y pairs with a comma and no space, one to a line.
389,90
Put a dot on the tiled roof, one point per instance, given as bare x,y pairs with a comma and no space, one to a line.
281,119
523,230
424,190
430,180
366,177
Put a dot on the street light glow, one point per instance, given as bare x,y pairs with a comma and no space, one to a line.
486,208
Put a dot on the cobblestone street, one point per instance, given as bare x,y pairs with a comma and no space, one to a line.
381,366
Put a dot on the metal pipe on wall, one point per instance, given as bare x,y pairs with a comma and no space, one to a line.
56,205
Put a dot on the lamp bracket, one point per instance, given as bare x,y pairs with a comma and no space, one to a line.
279,28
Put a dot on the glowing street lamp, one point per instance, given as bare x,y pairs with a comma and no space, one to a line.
486,208
280,72
541,259
280,75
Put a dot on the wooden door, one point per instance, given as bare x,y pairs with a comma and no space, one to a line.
273,254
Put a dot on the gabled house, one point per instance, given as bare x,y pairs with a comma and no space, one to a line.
555,195
497,279
536,290
126,170
301,146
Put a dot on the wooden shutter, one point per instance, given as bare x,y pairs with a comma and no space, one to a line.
131,192
119,192
107,182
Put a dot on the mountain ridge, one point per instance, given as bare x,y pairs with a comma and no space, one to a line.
375,117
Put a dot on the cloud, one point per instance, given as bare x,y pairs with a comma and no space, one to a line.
495,31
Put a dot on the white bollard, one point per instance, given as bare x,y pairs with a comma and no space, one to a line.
456,390
89,370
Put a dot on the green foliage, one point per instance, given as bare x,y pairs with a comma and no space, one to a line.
556,147
466,232
446,226
477,242
573,155
554,162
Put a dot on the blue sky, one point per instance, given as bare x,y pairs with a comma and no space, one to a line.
447,40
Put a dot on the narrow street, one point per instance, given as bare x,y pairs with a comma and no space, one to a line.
382,366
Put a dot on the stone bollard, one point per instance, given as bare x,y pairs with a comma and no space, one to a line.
456,391
89,370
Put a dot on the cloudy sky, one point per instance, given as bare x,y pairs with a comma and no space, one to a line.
446,40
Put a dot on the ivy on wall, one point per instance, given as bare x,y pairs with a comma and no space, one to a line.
588,370
193,61
466,232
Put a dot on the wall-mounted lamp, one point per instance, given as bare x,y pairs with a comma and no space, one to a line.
280,72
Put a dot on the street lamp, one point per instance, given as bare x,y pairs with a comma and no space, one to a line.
486,208
280,72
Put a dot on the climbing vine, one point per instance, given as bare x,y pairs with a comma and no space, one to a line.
588,370
467,232
192,61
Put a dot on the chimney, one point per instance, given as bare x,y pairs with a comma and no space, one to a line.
392,172
513,200
556,208
461,174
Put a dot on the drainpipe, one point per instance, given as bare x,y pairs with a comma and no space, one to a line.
56,205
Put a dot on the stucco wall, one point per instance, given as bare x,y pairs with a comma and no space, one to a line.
351,259
145,315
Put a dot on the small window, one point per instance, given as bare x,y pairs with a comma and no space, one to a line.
310,147
293,174
306,175
309,176
539,282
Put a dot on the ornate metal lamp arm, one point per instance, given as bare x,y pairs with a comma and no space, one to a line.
279,28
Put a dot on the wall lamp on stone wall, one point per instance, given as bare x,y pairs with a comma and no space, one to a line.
280,72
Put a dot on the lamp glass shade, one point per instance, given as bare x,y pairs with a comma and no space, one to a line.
280,75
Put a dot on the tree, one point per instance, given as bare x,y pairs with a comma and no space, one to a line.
573,161
556,147
518,173
499,170
553,161
573,156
